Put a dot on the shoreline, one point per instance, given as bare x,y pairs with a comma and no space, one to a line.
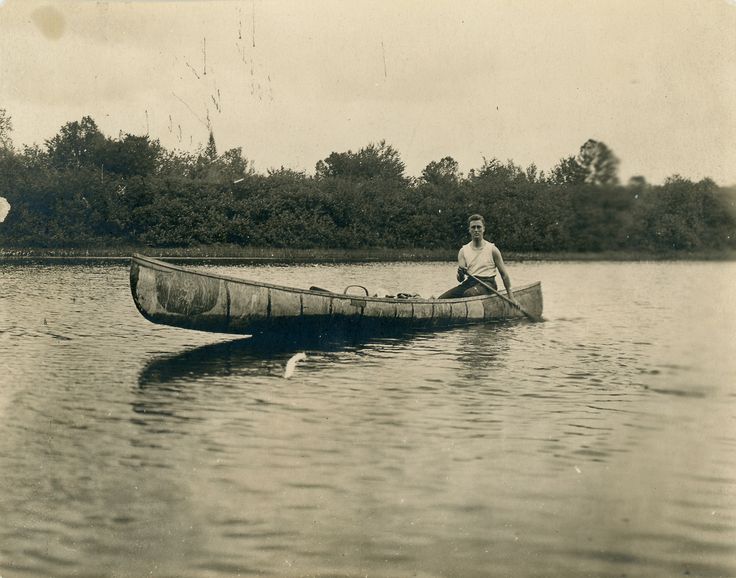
236,254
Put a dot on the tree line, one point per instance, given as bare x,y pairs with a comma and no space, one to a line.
84,188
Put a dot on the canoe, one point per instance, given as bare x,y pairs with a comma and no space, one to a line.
182,297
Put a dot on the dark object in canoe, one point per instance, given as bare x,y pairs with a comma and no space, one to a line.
172,295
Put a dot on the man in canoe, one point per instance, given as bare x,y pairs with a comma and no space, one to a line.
478,263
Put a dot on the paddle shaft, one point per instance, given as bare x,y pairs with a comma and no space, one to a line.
509,301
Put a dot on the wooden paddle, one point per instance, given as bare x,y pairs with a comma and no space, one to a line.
509,301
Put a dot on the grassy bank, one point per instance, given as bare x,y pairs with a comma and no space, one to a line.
264,254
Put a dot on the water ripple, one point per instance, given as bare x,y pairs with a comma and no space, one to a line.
595,444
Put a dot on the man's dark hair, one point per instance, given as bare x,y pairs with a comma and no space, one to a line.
476,218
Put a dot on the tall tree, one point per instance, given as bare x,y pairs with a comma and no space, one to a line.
77,144
444,171
130,155
374,161
594,164
233,166
210,150
599,163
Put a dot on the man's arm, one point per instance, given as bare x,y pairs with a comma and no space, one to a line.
501,266
461,266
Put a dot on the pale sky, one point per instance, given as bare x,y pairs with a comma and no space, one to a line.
292,81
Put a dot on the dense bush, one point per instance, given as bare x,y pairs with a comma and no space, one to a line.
83,187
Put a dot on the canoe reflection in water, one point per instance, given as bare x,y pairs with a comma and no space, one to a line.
176,390
261,355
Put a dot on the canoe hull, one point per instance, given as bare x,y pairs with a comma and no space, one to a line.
179,297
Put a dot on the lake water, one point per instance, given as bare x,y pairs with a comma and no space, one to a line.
599,443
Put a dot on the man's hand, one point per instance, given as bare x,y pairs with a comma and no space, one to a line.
461,272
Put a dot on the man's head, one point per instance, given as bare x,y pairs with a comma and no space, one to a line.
476,226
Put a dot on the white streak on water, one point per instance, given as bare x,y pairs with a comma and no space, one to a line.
291,364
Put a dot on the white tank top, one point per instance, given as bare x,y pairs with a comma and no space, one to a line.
479,262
